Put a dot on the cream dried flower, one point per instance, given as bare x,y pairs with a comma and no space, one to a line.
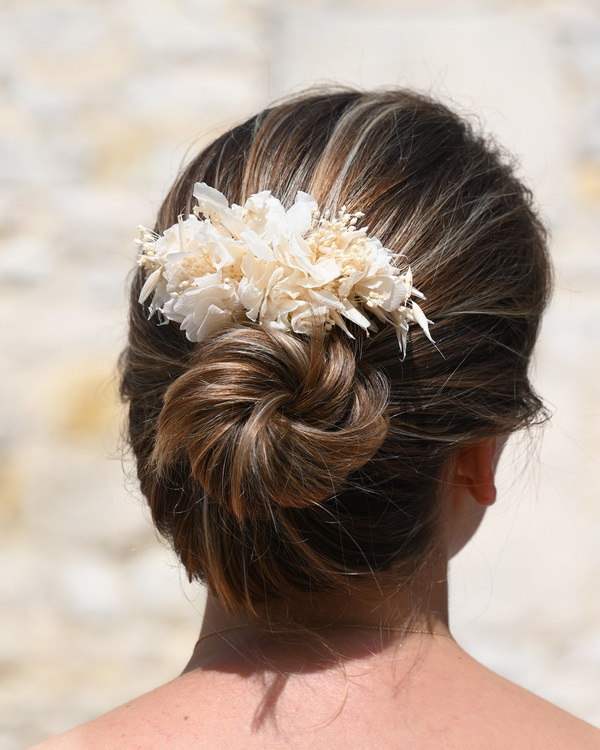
279,268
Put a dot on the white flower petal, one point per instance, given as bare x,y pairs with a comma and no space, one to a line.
251,298
299,249
339,321
401,333
347,283
257,245
299,217
214,205
264,215
420,318
306,198
213,318
326,299
353,314
150,285
303,319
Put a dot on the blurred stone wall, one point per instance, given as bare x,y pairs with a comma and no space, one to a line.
100,101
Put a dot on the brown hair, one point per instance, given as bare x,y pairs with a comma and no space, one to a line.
279,463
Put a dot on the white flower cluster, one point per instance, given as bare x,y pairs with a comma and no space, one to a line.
283,269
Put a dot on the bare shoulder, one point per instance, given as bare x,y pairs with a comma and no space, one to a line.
142,722
559,728
460,706
175,715
525,720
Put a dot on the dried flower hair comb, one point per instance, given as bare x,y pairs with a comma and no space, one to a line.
279,268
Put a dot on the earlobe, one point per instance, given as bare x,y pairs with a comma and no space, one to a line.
475,471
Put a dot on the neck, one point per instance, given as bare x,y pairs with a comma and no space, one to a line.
421,606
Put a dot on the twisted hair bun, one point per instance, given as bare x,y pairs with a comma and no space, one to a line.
269,419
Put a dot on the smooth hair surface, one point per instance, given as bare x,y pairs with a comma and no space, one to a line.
281,464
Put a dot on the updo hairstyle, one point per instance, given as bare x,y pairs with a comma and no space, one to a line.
281,464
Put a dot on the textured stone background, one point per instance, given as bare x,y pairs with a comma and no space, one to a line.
100,102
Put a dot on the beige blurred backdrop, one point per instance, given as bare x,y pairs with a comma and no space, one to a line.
100,101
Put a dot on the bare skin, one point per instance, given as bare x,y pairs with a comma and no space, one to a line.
367,687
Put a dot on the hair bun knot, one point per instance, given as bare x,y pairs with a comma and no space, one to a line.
267,419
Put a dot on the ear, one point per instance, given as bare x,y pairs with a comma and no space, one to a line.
475,470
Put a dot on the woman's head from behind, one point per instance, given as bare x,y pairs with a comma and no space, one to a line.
284,464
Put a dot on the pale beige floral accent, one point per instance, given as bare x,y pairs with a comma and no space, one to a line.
282,269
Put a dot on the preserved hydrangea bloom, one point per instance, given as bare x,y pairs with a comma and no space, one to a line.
282,269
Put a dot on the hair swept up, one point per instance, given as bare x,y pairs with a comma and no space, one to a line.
280,464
